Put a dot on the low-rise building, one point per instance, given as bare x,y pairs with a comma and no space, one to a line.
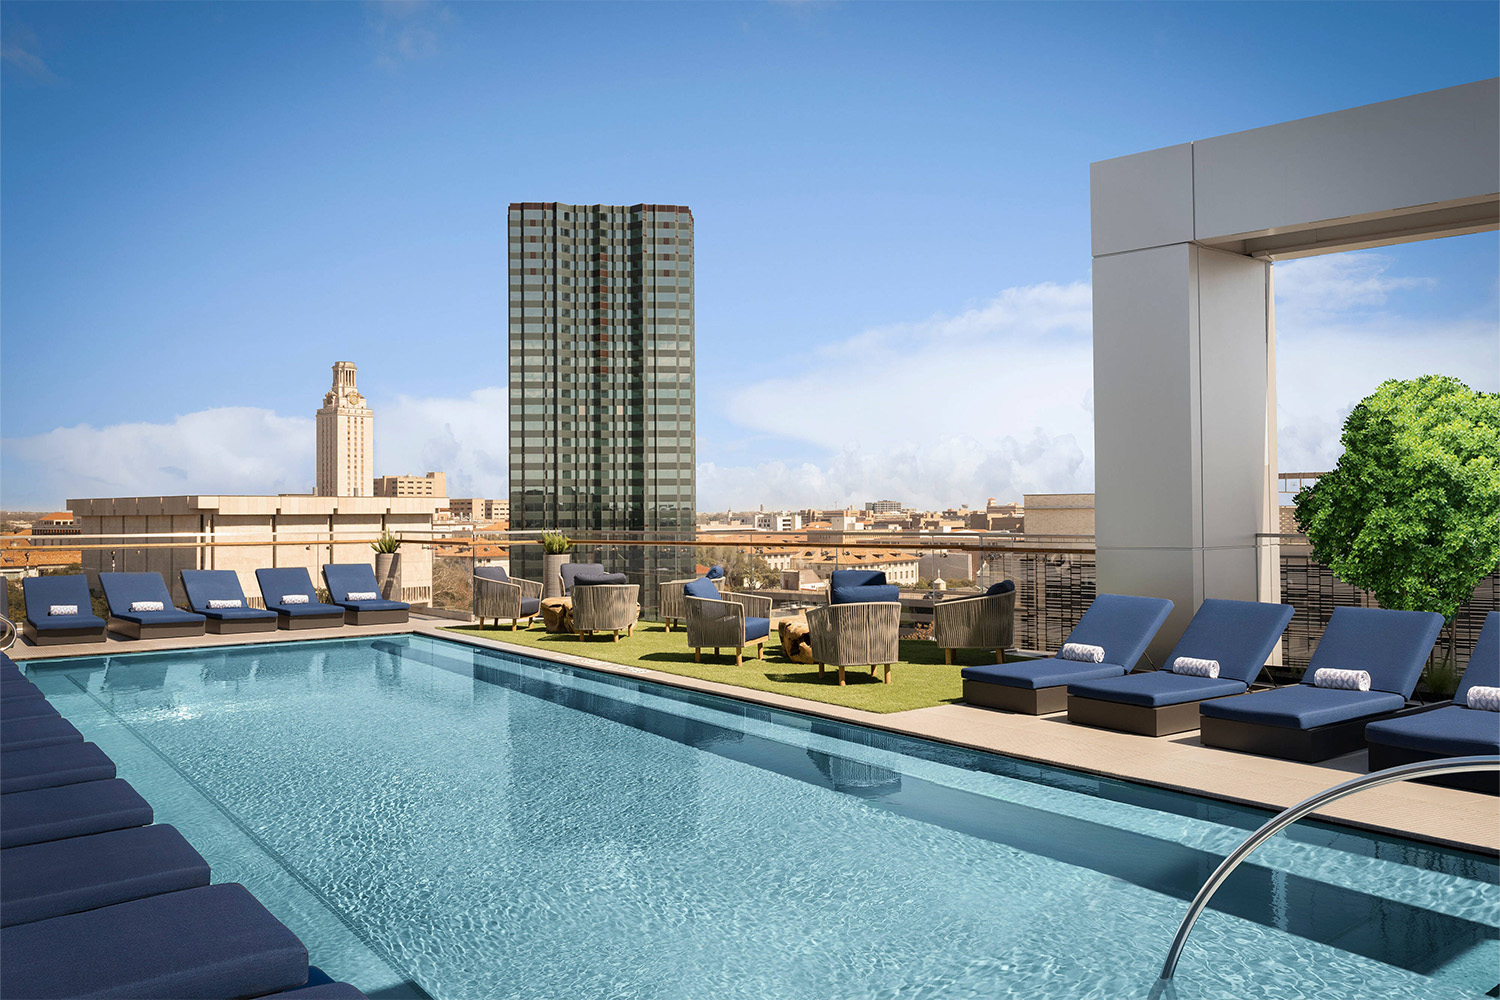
434,484
1059,513
478,509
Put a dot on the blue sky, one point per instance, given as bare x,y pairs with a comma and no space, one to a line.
205,206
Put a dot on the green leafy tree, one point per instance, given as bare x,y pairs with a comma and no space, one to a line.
1411,513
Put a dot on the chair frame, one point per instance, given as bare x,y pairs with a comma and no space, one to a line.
861,634
498,599
981,622
231,626
721,624
154,630
606,607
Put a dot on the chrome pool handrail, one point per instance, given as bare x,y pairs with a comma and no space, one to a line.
11,632
1285,818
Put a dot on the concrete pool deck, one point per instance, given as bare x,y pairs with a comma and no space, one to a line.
1447,816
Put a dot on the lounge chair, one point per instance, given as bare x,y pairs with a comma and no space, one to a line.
498,596
985,621
37,731
1310,723
49,767
860,586
858,634
304,610
714,621
141,607
211,941
71,811
1237,635
605,603
1121,625
41,881
1455,730
49,622
350,586
216,594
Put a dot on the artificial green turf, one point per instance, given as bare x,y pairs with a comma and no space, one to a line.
920,680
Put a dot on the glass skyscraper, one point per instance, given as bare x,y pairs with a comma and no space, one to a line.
601,368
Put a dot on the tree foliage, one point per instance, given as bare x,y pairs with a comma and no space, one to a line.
1412,511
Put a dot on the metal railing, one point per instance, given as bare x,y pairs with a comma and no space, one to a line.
11,632
1285,818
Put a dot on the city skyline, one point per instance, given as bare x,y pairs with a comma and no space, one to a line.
840,356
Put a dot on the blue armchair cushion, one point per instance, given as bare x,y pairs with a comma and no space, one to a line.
1392,646
1302,706
531,606
212,941
596,579
703,588
1453,731
48,767
39,881
71,811
1034,675
1003,587
37,731
570,571
715,572
1155,689
870,594
44,591
760,628
1484,663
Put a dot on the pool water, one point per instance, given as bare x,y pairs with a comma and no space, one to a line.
435,818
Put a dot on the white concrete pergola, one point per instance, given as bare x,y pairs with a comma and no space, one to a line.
1184,327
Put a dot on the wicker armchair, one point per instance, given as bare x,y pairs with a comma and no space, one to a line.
497,595
865,634
983,622
669,595
606,607
738,620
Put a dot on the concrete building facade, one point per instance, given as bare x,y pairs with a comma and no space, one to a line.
1059,514
346,439
434,484
478,509
601,367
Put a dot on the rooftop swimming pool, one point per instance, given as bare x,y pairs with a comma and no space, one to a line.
435,818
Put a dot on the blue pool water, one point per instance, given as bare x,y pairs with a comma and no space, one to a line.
442,819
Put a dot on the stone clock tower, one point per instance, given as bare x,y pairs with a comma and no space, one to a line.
346,439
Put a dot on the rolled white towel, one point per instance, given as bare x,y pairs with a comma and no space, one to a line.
1342,680
361,595
1082,652
293,598
1192,666
1486,699
146,605
62,609
224,605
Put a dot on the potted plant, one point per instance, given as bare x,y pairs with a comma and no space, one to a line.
555,546
388,565
1412,511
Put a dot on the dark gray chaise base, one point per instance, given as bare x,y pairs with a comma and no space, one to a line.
1027,701
1382,757
295,622
353,616
61,636
135,630
1308,745
1143,720
237,626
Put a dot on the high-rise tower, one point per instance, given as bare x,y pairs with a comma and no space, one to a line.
601,367
346,439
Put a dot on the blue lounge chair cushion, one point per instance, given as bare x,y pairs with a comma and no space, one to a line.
1452,731
123,589
70,811
1484,662
1037,674
1392,646
213,941
344,579
26,708
599,579
204,585
1302,706
42,592
757,628
16,689
40,881
569,571
239,614
37,731
1156,689
323,991
1122,624
704,588
1240,635
48,767
278,583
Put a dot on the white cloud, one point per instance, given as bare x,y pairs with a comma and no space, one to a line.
995,401
465,437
